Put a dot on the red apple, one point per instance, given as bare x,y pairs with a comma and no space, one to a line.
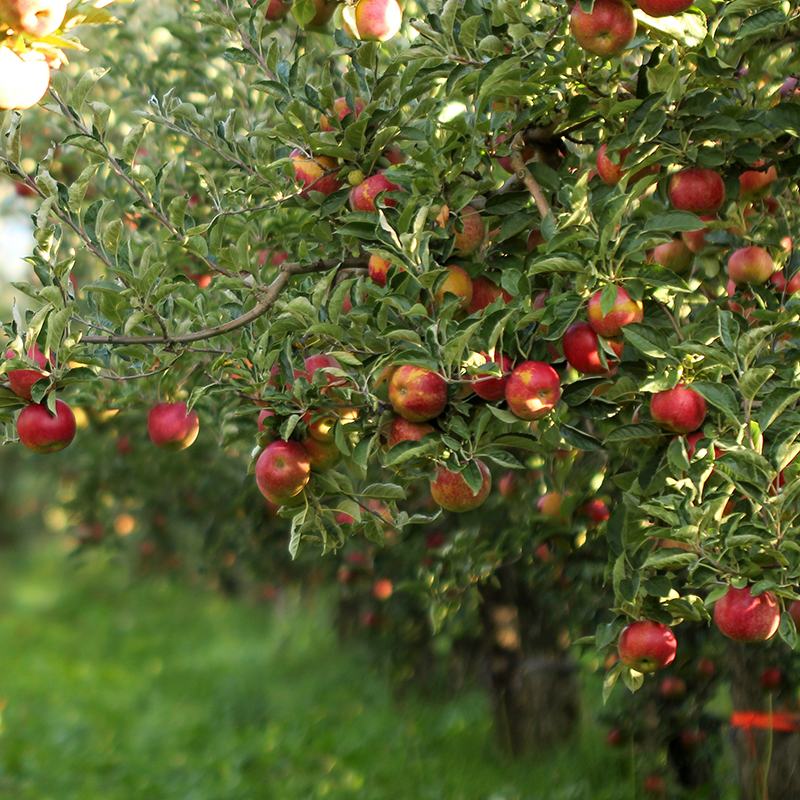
779,280
38,18
706,667
362,197
282,471
490,388
582,349
417,394
378,268
696,240
680,410
316,173
24,79
674,255
457,283
607,30
382,589
596,510
612,173
42,432
745,618
663,8
277,10
507,485
550,505
321,455
624,312
532,390
374,20
616,737
794,612
655,786
21,380
754,184
505,161
484,293
451,491
647,646
750,265
673,688
172,426
262,415
341,109
320,361
403,430
771,678
473,235
699,190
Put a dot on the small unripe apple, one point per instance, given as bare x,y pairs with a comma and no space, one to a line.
311,172
42,432
699,190
532,390
282,471
745,618
362,197
680,410
38,18
172,426
606,30
452,492
21,380
674,255
750,265
624,312
417,394
24,79
647,646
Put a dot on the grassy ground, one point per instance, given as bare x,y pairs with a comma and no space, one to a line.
123,690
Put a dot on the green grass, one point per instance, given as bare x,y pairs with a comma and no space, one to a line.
121,689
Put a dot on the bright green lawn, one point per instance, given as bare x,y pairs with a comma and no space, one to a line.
119,690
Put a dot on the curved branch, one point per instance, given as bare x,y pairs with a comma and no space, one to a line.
531,184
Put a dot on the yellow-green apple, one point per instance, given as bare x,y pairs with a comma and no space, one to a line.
750,265
606,30
647,646
663,8
282,471
403,430
674,255
754,184
532,390
623,312
373,20
325,10
680,410
771,679
37,17
582,349
382,589
484,293
696,240
779,281
673,688
417,394
612,173
172,426
458,283
596,510
745,618
41,431
321,455
277,10
320,424
341,108
699,190
452,492
550,505
473,234
362,197
21,380
491,388
316,173
24,79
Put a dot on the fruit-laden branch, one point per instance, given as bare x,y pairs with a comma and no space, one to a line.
285,274
531,184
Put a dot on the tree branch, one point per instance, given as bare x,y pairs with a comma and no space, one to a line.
531,184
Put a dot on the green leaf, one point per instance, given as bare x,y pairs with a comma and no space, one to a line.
648,340
774,404
384,491
753,379
579,439
720,396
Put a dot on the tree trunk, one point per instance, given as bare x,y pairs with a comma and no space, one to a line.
751,745
534,685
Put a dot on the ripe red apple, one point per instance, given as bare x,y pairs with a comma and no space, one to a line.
607,30
21,380
663,8
699,190
771,678
362,197
374,20
696,240
794,612
507,485
403,430
612,173
680,410
282,471
172,426
647,646
382,589
745,618
277,10
754,184
321,455
779,280
582,349
458,283
750,265
706,667
532,390
262,415
417,394
341,109
311,172
24,79
474,233
624,312
42,432
37,17
490,388
378,268
484,293
674,255
596,510
452,492
673,688
320,361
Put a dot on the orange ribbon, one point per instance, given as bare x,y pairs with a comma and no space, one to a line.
778,720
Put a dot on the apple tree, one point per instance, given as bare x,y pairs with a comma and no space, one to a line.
424,248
